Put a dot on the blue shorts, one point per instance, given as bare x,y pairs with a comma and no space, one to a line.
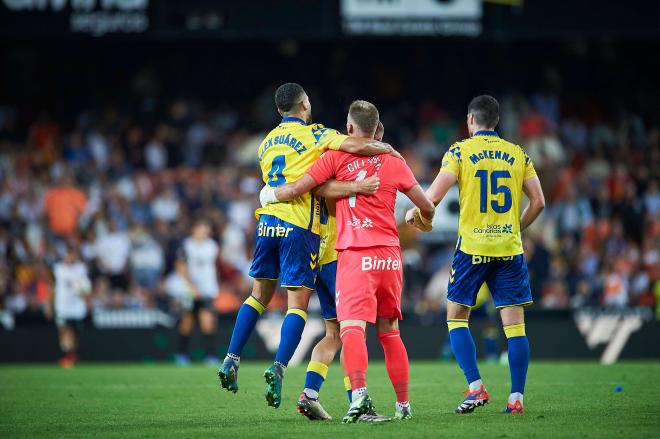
285,252
506,278
325,288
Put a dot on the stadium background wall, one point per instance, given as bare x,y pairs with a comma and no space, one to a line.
553,335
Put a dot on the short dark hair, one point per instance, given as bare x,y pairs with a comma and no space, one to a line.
365,115
486,110
287,95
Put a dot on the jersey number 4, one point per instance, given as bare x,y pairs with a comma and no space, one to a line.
495,189
276,174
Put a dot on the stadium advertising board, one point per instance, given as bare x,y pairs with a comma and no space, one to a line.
604,335
412,17
89,17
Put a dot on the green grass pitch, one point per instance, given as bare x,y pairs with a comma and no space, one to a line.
571,400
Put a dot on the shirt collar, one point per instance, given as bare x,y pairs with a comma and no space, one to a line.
293,119
486,133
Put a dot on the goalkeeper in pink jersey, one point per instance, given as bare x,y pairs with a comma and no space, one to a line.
369,272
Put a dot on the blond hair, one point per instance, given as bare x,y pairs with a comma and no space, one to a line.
365,115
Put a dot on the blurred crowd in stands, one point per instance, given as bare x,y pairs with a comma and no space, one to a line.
125,190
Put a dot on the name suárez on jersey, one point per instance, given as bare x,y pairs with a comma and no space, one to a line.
361,163
286,140
492,154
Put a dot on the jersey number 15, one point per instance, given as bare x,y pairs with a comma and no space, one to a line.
495,189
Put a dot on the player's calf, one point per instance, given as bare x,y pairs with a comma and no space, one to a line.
396,363
518,352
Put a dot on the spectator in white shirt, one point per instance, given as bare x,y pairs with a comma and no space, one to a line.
166,206
201,255
112,252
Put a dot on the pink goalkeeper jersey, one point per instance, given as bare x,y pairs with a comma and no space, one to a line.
365,221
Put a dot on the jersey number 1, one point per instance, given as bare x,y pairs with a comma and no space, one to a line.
353,198
276,174
495,189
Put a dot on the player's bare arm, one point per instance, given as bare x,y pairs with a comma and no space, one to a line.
533,191
330,189
435,193
422,215
438,189
335,189
368,147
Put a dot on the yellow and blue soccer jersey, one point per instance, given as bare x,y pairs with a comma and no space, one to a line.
489,251
490,174
286,153
326,278
288,242
328,220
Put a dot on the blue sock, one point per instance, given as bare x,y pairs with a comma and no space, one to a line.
290,334
518,356
246,319
349,391
464,349
316,373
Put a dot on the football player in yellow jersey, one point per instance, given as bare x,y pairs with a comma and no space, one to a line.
287,241
325,350
492,175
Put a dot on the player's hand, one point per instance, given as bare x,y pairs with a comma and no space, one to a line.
267,196
415,218
368,186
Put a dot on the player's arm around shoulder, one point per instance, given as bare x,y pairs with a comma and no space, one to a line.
367,147
335,189
286,192
319,173
327,138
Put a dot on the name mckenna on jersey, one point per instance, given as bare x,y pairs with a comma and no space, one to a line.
492,154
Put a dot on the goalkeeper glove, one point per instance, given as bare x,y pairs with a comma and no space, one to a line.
267,196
